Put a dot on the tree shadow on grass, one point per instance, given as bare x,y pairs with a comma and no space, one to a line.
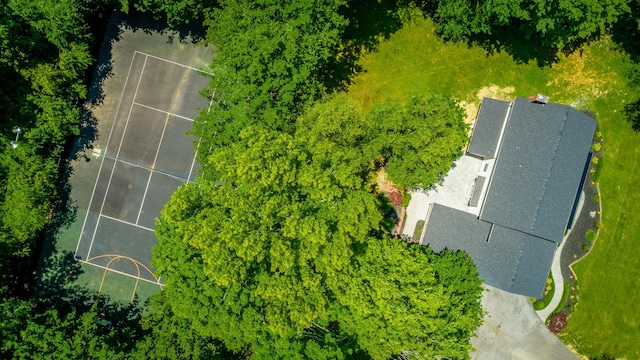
521,50
626,35
56,288
369,23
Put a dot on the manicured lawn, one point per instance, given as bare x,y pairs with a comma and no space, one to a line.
413,62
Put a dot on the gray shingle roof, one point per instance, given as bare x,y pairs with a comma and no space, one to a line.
447,227
538,169
488,126
509,260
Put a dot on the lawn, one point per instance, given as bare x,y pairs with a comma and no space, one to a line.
413,61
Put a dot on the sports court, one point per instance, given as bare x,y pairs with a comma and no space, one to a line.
148,155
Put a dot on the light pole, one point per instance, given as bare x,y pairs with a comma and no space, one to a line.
16,131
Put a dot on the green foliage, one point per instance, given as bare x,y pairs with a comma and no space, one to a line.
566,292
44,56
406,198
170,337
32,334
399,300
597,146
591,235
273,248
273,238
269,59
175,12
417,233
544,302
417,142
555,24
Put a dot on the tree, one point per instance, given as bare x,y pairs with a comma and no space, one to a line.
268,243
269,56
556,24
29,333
170,337
44,47
275,253
417,142
403,300
175,12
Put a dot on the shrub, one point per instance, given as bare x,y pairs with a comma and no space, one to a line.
596,146
405,200
417,233
591,235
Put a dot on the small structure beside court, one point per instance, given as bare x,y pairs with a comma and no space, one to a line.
529,160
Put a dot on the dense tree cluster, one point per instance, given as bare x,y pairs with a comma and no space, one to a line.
44,55
283,257
281,250
555,24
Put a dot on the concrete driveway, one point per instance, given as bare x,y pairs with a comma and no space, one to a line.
513,330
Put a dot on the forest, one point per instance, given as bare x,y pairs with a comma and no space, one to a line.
283,245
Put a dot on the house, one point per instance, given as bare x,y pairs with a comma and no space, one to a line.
530,161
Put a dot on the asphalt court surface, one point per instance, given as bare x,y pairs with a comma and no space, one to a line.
147,157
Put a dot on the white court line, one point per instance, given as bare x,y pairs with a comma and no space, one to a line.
175,63
195,155
106,192
193,162
146,189
121,272
162,111
146,168
105,151
125,222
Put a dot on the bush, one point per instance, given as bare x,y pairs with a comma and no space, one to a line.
417,233
596,146
544,302
405,200
591,235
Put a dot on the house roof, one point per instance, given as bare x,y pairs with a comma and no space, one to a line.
487,129
540,158
506,258
538,169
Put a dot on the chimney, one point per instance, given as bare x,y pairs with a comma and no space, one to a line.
539,99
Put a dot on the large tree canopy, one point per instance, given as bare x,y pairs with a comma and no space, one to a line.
269,248
268,62
418,141
44,56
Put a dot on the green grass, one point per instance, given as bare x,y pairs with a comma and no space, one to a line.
565,297
414,62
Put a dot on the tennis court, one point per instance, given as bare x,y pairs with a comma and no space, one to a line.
147,157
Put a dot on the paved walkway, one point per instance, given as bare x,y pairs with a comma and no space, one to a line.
556,274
